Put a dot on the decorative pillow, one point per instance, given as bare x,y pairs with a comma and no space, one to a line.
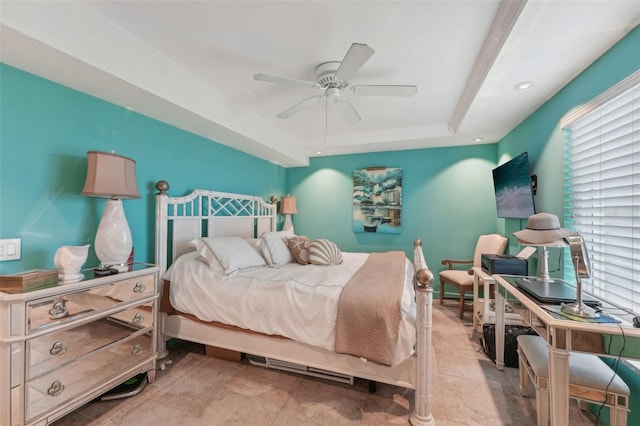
299,247
274,247
324,252
207,256
233,253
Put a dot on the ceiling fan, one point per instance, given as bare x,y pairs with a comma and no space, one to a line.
334,78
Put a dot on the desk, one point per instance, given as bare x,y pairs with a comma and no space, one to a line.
563,336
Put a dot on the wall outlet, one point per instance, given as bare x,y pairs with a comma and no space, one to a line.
10,249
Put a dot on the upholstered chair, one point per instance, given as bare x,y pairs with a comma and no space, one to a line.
462,280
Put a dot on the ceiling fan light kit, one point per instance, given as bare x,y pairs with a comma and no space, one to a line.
333,78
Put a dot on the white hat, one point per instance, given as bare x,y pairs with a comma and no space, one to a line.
542,228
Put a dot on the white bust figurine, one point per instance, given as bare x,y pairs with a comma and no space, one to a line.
69,260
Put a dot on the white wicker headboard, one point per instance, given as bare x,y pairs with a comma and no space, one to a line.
206,213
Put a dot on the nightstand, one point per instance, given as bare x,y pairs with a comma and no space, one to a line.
62,345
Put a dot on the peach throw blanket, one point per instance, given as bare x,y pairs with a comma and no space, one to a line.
369,314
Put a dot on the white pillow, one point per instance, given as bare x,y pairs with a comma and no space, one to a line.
324,252
256,244
207,256
233,253
275,249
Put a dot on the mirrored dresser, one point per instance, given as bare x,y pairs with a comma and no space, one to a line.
62,345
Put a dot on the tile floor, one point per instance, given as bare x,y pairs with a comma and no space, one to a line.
197,390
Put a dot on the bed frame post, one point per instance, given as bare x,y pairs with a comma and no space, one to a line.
421,415
161,256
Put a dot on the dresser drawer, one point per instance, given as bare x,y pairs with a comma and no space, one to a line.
82,375
48,312
52,350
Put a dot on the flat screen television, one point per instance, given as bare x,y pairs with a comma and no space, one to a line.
513,188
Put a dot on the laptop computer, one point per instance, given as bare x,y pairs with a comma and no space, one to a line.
553,292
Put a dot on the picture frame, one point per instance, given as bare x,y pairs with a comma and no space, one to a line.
377,200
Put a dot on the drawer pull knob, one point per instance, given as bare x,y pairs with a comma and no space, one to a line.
58,310
56,388
138,288
137,318
57,348
136,349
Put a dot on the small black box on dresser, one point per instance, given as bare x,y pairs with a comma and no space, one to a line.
504,264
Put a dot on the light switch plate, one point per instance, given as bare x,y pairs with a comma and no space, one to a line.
10,249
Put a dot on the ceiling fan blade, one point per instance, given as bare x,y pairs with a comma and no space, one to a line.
405,91
347,110
297,107
355,58
284,80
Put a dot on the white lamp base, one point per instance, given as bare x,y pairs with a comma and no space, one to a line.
288,223
543,266
113,239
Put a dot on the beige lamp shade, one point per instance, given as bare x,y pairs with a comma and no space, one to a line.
288,205
111,176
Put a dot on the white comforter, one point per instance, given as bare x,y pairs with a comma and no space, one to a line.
294,301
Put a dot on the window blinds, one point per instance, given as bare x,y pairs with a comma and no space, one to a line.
602,191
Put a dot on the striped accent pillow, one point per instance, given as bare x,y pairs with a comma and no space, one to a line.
324,252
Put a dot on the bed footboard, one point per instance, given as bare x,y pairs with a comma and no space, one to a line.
423,278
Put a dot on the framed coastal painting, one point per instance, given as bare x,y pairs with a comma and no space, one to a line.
377,200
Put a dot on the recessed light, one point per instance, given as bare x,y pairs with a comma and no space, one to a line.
318,152
479,139
524,85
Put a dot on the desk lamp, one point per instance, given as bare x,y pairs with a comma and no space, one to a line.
543,230
113,177
582,268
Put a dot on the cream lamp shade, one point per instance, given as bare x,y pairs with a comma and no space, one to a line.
113,177
287,208
110,175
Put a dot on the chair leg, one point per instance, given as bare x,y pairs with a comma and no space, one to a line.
461,299
441,292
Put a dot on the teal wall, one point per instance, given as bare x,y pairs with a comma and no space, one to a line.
447,200
540,134
45,133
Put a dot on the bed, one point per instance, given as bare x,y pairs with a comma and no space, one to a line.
227,314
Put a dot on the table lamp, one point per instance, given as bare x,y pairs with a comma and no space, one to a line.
113,177
287,208
543,230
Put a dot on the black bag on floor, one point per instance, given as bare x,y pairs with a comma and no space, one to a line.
510,342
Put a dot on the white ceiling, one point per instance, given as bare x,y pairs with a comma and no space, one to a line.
191,64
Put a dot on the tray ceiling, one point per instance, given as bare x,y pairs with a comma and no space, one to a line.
191,64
